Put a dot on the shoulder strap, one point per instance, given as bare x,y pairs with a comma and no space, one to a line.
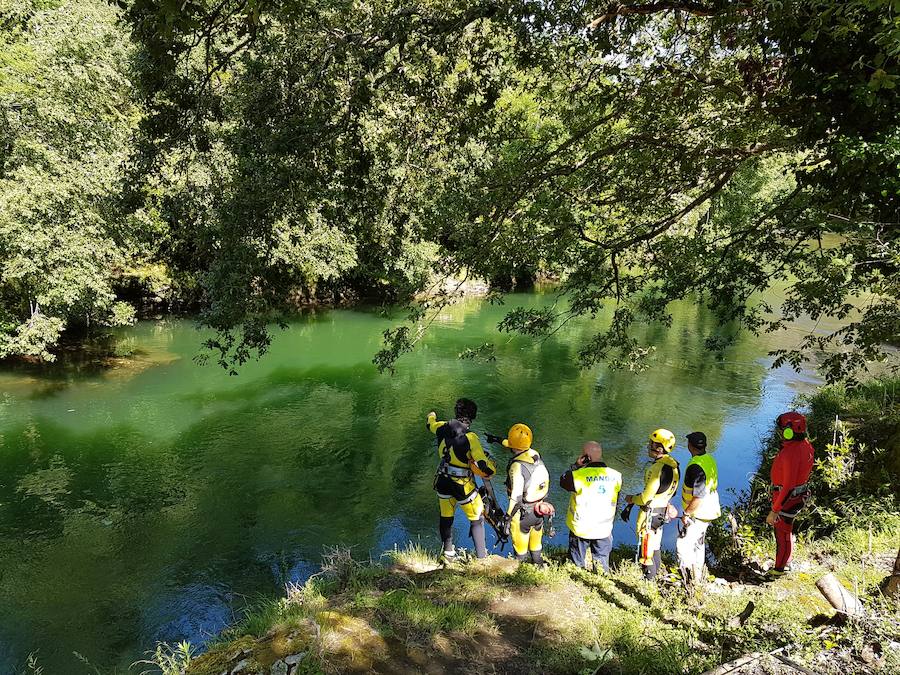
527,468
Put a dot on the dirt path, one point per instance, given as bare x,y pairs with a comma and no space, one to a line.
521,617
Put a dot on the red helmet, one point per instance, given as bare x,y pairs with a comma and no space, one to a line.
792,420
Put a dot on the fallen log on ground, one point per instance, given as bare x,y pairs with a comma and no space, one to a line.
737,664
839,597
732,666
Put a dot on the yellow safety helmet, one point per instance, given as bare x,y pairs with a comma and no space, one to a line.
519,437
665,438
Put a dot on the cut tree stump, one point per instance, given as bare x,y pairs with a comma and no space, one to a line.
840,598
741,619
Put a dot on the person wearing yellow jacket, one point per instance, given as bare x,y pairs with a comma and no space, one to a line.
700,506
592,506
461,457
660,484
527,484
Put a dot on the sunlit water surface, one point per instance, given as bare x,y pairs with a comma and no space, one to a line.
152,501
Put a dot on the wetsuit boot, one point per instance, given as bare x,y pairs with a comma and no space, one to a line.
650,571
537,558
446,530
477,530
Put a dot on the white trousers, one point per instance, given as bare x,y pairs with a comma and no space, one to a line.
690,548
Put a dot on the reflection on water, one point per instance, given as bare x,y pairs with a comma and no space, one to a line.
151,502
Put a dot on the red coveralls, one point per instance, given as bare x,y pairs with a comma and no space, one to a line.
790,472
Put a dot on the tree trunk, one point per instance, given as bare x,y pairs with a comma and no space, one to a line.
892,590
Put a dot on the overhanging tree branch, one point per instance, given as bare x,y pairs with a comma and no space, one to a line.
618,9
661,226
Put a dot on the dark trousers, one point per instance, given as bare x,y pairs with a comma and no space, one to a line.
600,550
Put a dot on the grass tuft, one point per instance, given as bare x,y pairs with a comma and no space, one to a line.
413,557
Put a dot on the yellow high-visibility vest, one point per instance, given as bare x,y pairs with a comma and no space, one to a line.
709,509
592,507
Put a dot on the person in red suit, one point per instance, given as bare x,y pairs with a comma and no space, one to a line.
790,474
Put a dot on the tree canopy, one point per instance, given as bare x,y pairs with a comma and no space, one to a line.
642,152
66,119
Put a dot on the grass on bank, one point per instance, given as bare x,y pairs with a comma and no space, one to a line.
560,619
408,614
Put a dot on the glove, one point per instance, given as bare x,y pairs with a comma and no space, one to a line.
626,513
493,439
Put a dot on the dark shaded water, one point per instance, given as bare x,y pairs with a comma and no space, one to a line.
151,501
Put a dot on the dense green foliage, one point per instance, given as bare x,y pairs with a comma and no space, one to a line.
66,117
645,151
859,441
641,152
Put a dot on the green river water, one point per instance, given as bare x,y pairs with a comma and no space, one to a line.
153,500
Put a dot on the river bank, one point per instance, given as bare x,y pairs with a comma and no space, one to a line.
150,297
412,615
407,613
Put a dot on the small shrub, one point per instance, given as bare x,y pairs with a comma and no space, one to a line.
341,568
169,659
121,314
310,595
733,548
525,576
124,348
301,602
